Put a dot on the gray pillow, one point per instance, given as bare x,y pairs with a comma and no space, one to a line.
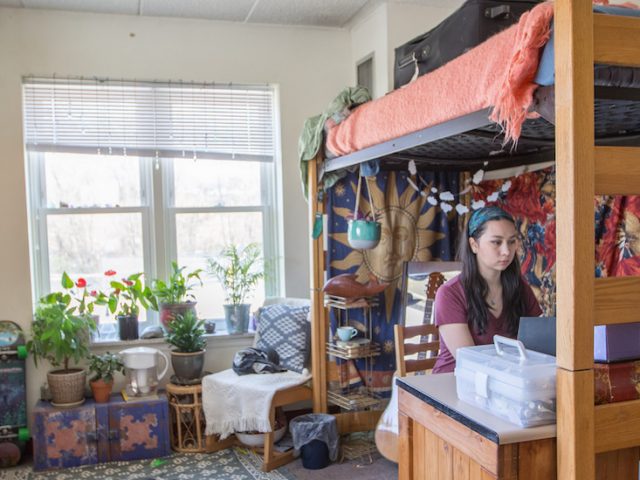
286,329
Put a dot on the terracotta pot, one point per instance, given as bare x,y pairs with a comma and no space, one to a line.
101,390
168,311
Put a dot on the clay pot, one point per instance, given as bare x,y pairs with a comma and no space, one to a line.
101,390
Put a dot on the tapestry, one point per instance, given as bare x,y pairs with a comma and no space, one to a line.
530,198
617,236
413,228
229,464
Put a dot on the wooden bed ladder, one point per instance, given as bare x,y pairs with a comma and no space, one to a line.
593,441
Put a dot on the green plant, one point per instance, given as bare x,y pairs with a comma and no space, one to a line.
104,366
177,289
127,296
59,333
186,333
236,269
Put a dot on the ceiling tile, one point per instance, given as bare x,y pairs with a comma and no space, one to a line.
328,13
128,7
225,10
10,3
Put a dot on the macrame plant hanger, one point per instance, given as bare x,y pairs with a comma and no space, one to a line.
357,205
363,233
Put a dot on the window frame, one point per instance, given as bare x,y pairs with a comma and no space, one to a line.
158,214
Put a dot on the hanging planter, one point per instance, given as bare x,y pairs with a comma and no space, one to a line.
363,233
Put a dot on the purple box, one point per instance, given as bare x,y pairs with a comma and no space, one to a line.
614,343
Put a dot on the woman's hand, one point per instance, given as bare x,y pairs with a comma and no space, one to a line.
455,335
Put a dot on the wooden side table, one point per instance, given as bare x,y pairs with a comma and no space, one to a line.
187,422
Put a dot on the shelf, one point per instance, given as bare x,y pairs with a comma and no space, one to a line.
351,353
352,400
349,303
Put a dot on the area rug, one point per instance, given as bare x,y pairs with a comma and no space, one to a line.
230,464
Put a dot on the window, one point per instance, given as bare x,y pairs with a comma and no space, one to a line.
130,176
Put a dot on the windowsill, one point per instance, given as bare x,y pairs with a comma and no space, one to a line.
212,339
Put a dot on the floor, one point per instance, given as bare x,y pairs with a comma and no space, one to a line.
374,468
379,469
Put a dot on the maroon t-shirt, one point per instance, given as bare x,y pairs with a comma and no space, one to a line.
451,307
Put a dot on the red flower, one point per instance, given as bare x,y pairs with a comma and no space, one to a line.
81,283
128,283
110,273
94,293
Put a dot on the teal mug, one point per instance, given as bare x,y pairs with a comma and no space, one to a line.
346,333
363,234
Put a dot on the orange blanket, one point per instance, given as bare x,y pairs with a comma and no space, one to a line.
498,73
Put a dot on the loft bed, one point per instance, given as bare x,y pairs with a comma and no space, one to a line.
592,157
465,136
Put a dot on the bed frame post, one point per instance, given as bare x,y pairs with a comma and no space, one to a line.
318,312
575,237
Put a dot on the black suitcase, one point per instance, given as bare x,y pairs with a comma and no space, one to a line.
470,25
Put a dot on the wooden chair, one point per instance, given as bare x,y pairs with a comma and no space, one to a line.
271,458
427,348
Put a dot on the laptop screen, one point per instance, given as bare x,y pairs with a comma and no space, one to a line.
538,334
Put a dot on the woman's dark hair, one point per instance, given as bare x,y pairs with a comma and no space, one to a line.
475,286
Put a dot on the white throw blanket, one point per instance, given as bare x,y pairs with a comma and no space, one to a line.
234,403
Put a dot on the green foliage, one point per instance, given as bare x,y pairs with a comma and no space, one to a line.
59,333
127,295
237,270
105,366
186,333
177,288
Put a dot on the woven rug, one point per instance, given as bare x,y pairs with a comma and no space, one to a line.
230,464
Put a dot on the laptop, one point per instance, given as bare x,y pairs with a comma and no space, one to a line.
538,334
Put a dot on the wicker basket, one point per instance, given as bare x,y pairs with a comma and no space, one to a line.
67,386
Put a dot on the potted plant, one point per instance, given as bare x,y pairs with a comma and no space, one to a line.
61,333
186,336
174,296
103,367
124,300
236,269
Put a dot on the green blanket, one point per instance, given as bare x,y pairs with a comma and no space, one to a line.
311,137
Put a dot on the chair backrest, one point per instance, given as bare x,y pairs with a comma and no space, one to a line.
429,344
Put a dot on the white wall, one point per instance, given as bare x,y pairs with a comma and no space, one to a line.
310,65
382,29
369,36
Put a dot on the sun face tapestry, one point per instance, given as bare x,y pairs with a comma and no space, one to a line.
412,229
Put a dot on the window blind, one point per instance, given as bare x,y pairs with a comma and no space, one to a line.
149,118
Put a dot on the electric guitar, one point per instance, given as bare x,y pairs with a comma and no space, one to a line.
386,435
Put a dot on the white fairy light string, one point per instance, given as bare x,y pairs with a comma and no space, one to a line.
446,199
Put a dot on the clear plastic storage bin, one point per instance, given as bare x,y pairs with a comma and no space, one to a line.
508,381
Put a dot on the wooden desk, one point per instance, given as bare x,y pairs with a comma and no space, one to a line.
442,438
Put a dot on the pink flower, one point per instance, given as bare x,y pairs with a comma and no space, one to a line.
81,283
94,293
110,273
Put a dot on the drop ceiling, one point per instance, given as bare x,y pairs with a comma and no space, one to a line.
322,13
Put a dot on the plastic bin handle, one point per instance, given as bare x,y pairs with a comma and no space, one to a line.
499,339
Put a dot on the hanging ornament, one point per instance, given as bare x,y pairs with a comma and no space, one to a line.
461,209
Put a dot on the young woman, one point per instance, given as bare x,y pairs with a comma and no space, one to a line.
490,295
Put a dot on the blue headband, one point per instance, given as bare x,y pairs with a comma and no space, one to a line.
483,215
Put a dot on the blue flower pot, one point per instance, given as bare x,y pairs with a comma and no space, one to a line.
363,234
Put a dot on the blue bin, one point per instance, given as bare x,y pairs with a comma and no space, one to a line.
315,455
